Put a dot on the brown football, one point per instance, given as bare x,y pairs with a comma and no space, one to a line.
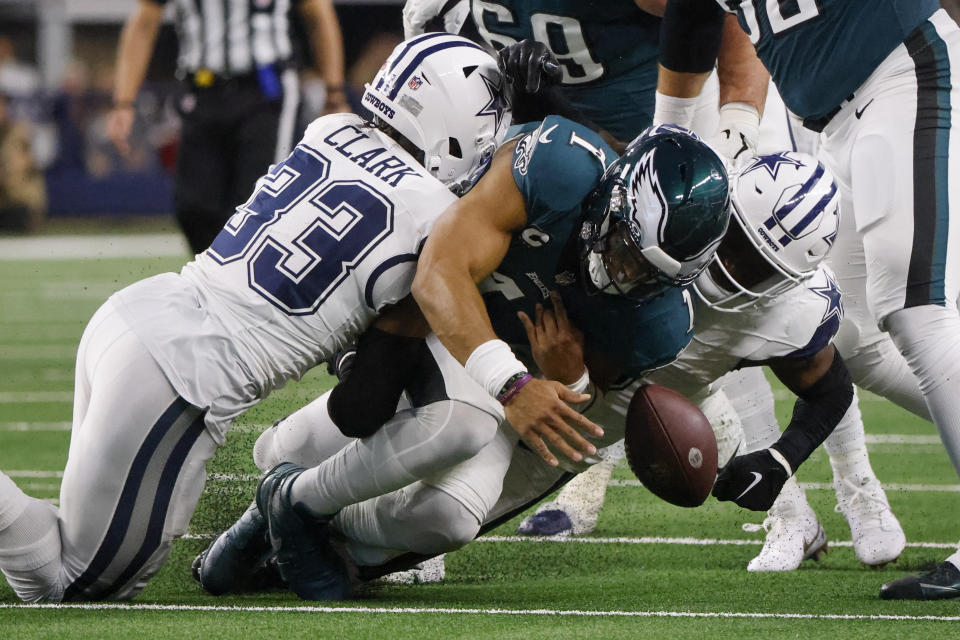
670,446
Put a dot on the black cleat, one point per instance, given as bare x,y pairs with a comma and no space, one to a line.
234,561
341,364
307,562
941,583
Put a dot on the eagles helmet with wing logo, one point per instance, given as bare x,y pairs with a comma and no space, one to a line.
657,215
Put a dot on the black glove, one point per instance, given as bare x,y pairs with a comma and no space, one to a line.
527,67
753,480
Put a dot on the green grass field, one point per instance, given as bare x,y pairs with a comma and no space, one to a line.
632,578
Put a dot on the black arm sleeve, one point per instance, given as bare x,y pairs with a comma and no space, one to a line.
365,399
690,35
816,413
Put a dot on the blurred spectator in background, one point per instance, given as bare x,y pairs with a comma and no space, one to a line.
23,200
241,92
18,80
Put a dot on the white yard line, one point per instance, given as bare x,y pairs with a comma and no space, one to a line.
9,397
35,426
477,611
139,245
826,486
645,540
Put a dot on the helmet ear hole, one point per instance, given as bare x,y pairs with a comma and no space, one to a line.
455,150
468,70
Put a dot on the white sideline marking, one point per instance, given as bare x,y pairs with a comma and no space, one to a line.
252,477
35,426
138,245
826,486
38,352
508,612
692,542
892,438
35,396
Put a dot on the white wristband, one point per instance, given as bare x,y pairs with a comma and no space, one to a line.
670,110
580,385
492,364
783,461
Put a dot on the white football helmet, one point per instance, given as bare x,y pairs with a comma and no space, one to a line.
787,209
444,94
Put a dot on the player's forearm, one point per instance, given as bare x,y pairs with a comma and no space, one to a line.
326,40
818,410
453,307
743,78
134,51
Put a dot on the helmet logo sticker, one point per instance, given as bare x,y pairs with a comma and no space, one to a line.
646,195
415,83
497,105
772,163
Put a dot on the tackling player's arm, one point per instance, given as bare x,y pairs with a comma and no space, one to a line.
133,55
323,29
824,392
695,35
466,244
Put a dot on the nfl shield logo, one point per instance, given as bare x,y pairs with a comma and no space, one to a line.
414,83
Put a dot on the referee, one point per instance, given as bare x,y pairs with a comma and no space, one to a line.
240,98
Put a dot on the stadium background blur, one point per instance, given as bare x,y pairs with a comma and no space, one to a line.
57,166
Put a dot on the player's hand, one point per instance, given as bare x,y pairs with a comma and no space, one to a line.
540,413
119,124
527,67
418,13
753,480
739,133
557,345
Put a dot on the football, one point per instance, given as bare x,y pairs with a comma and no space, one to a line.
670,446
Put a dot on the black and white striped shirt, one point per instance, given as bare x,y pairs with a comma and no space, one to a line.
232,37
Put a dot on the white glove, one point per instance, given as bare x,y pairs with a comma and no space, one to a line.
739,133
417,13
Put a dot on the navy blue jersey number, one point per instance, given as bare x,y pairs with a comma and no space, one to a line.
339,223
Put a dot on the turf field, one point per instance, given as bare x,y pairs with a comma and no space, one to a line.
649,570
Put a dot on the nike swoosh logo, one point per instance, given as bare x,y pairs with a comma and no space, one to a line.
543,136
756,478
936,587
859,112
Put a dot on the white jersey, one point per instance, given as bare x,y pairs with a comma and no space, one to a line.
796,324
329,237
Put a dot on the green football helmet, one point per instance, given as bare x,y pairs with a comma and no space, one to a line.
656,217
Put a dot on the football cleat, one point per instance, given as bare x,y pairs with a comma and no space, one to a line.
793,533
940,584
233,560
305,558
878,537
341,364
548,522
426,572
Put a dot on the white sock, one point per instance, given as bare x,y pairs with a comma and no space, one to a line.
414,444
752,398
29,544
306,438
417,518
847,445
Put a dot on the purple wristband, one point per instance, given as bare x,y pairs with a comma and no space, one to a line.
513,387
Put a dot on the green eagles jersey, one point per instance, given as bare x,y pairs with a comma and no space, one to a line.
820,51
607,50
556,166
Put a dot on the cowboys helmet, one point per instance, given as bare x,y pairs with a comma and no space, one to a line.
657,215
786,209
444,94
